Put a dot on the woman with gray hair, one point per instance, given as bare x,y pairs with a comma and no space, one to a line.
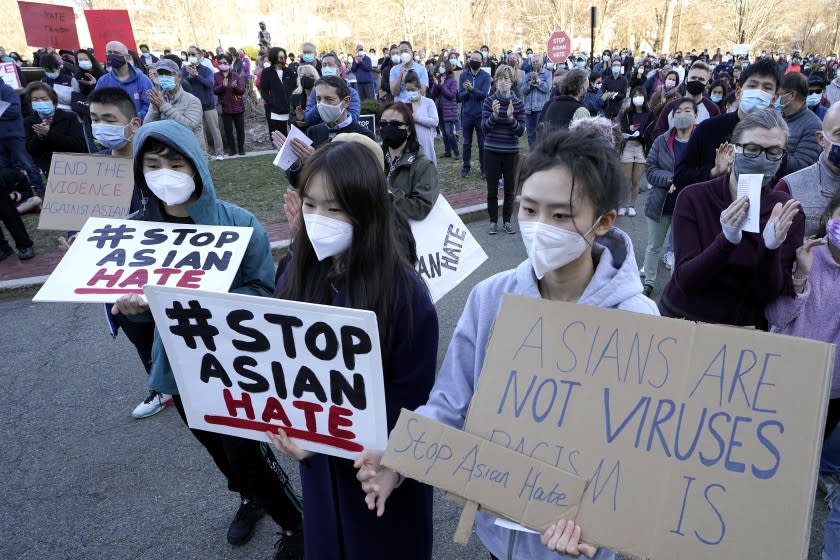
722,272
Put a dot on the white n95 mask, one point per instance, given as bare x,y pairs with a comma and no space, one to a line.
172,187
329,237
550,247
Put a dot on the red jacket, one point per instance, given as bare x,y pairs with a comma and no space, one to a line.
231,94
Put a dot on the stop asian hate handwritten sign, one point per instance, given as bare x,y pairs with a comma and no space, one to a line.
695,438
83,186
111,258
245,365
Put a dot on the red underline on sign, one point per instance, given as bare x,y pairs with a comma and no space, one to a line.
108,290
244,424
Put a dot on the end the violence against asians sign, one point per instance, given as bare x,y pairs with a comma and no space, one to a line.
111,258
245,365
697,441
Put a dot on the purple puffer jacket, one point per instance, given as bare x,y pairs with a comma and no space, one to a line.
444,96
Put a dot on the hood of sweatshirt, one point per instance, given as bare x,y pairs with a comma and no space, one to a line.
179,138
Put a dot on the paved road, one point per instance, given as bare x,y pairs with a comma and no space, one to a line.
83,480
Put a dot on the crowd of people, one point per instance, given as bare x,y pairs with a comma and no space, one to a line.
597,132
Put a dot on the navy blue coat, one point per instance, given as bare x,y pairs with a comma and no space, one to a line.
337,523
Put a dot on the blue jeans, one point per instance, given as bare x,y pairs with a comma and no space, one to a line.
366,90
830,463
450,141
13,154
470,123
532,120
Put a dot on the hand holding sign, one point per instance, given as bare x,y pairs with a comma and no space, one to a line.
286,446
131,304
564,537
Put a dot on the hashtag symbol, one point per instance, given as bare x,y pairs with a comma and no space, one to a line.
192,324
112,234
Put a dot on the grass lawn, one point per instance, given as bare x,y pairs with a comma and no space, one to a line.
256,184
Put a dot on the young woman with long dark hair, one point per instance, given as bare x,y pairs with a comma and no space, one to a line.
347,255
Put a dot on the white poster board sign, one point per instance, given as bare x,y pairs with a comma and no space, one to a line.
8,74
245,365
111,258
447,252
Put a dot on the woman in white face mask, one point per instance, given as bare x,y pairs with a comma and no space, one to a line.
570,186
347,255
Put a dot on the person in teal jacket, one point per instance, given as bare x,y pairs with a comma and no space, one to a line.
169,149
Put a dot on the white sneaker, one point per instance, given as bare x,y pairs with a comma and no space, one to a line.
219,156
153,404
668,259
642,272
622,211
631,212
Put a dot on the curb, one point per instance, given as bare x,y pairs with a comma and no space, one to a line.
278,249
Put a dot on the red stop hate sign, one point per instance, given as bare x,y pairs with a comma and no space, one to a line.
559,46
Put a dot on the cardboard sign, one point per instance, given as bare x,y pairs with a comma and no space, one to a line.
8,73
47,25
368,122
699,441
501,480
109,25
247,364
111,258
559,47
82,186
446,250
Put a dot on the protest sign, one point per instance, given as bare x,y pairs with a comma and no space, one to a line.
111,258
47,25
695,438
8,73
247,364
368,122
82,186
446,250
503,481
109,25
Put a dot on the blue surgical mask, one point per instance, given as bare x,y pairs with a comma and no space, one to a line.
616,70
109,135
413,96
329,71
52,75
717,98
307,57
753,99
167,83
813,99
85,65
43,108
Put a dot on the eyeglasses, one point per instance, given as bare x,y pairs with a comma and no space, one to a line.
752,151
392,123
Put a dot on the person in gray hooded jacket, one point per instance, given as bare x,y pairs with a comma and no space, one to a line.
570,186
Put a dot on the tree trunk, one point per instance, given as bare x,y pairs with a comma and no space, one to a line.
669,23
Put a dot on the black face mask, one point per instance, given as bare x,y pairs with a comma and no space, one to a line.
694,87
392,136
307,82
475,65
